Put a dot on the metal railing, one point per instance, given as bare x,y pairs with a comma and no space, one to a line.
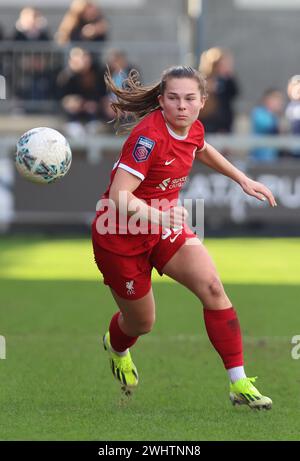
31,68
95,145
97,148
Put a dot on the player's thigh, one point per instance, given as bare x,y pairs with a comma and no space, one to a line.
137,313
129,276
193,267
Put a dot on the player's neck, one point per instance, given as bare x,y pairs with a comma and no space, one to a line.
180,134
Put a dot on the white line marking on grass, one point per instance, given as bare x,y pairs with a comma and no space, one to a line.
2,348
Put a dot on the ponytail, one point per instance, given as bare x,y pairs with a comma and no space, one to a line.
133,101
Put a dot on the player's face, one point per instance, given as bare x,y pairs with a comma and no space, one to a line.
181,103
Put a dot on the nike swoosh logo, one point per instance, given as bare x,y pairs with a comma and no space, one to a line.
174,238
168,162
167,234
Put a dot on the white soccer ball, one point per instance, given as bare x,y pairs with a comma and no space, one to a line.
43,155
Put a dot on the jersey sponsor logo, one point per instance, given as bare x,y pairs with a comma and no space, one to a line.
164,184
169,183
168,162
143,149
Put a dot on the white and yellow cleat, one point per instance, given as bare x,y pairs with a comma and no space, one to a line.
122,367
242,392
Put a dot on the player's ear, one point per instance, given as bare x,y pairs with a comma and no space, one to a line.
160,100
203,101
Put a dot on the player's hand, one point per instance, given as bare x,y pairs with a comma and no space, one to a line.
174,217
258,190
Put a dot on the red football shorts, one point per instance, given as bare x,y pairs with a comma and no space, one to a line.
130,276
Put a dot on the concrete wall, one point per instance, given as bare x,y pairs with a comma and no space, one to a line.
148,33
265,43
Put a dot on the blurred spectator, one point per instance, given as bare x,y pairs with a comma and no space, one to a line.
37,83
31,25
84,21
265,120
293,109
120,68
4,56
218,67
82,88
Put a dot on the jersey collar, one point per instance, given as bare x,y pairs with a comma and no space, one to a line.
171,132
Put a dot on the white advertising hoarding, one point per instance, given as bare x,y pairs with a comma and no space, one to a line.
267,4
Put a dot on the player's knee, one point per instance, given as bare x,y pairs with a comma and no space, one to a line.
145,326
215,287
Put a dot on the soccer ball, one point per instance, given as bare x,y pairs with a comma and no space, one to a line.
43,155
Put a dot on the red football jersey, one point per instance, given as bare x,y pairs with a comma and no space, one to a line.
162,160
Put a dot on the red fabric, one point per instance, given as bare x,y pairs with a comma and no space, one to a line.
163,173
163,147
224,332
130,276
118,340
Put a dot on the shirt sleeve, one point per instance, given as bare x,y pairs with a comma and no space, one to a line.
201,137
137,154
200,149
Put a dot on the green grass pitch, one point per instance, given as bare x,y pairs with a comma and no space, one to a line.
56,383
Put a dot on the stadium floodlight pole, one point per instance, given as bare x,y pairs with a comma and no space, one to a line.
200,30
2,87
195,12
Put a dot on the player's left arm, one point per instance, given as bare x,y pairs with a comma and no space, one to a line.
213,159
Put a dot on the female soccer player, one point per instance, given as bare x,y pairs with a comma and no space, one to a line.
153,166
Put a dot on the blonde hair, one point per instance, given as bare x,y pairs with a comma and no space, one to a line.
137,101
71,20
210,59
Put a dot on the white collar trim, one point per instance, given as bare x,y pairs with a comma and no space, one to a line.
172,133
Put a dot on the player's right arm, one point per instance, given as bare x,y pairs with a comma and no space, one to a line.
122,194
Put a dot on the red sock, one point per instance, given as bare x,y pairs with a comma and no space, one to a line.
224,332
118,340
